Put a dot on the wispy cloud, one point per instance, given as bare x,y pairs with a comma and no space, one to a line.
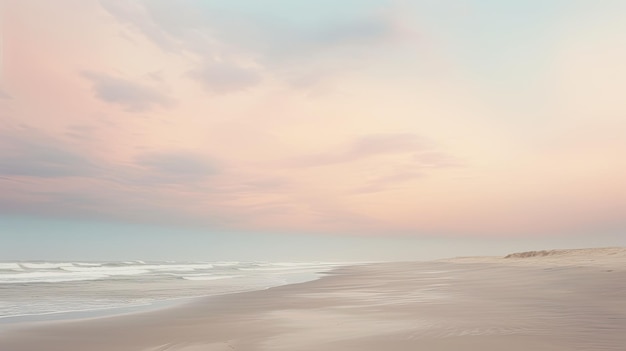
132,96
136,15
364,147
389,160
176,166
33,154
222,78
420,165
280,47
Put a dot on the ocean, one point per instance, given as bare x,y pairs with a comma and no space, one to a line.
32,291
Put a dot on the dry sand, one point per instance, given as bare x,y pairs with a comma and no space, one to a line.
556,300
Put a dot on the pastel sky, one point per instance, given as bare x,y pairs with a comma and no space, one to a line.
310,124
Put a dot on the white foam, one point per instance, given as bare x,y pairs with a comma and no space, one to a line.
44,265
209,277
85,264
62,272
284,267
10,266
46,277
180,267
294,264
55,272
141,267
109,271
135,262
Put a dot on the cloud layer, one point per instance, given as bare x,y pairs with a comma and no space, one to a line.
365,117
132,96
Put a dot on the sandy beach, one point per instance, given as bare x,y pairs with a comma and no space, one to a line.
547,300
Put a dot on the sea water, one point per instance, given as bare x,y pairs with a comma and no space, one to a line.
51,290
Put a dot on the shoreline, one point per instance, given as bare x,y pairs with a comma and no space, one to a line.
43,320
436,305
139,307
86,314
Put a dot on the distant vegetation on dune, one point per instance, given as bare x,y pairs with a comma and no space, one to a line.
570,252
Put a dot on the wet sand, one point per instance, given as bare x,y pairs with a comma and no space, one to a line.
560,300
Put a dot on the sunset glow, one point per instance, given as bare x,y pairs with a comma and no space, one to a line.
471,119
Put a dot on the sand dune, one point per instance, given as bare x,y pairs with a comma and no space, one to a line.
608,256
606,252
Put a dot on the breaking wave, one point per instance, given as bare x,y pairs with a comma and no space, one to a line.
36,288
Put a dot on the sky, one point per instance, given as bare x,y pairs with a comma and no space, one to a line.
269,130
